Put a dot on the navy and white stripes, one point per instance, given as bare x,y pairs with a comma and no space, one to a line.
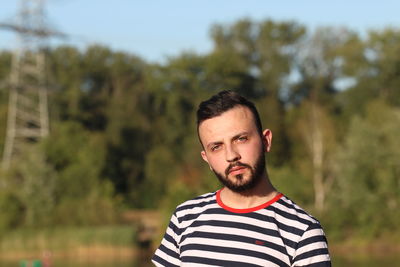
204,232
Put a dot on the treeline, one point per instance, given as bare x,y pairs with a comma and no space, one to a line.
123,131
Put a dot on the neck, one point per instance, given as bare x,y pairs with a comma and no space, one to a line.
261,193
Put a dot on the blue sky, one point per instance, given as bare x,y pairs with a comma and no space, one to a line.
155,30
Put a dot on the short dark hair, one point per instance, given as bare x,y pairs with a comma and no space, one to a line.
222,102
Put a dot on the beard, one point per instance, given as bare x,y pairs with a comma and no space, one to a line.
237,183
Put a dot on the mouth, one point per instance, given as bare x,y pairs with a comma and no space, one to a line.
237,170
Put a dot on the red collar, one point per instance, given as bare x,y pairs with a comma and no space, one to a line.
259,207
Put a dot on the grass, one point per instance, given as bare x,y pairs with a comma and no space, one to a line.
62,239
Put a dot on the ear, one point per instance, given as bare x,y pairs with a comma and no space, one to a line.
204,156
267,139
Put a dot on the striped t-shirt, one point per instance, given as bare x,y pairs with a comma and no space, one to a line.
205,232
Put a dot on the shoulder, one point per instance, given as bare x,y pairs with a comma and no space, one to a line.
196,205
310,244
293,214
308,237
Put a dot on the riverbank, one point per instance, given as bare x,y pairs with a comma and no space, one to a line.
82,253
360,248
102,243
78,242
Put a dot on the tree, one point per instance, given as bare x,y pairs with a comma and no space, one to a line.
374,66
82,195
256,60
368,171
315,130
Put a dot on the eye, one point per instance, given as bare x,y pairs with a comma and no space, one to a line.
215,147
242,139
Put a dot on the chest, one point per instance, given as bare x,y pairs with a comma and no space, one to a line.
234,240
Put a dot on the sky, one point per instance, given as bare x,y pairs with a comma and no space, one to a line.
155,30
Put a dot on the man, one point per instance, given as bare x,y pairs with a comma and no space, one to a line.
247,222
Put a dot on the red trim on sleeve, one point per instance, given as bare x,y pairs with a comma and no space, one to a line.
259,207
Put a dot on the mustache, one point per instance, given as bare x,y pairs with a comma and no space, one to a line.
236,164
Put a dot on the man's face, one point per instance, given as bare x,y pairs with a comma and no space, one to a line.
234,148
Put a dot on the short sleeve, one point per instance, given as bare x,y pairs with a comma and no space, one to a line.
312,249
167,253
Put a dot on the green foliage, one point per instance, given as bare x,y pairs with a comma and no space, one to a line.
28,191
368,178
293,184
12,210
160,170
78,157
58,182
123,131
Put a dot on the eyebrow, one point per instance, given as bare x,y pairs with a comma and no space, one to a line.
233,138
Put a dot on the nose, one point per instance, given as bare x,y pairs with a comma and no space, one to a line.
231,154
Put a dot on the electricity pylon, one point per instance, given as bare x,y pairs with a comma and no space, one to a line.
28,118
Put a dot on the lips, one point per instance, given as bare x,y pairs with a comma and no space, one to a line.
236,170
